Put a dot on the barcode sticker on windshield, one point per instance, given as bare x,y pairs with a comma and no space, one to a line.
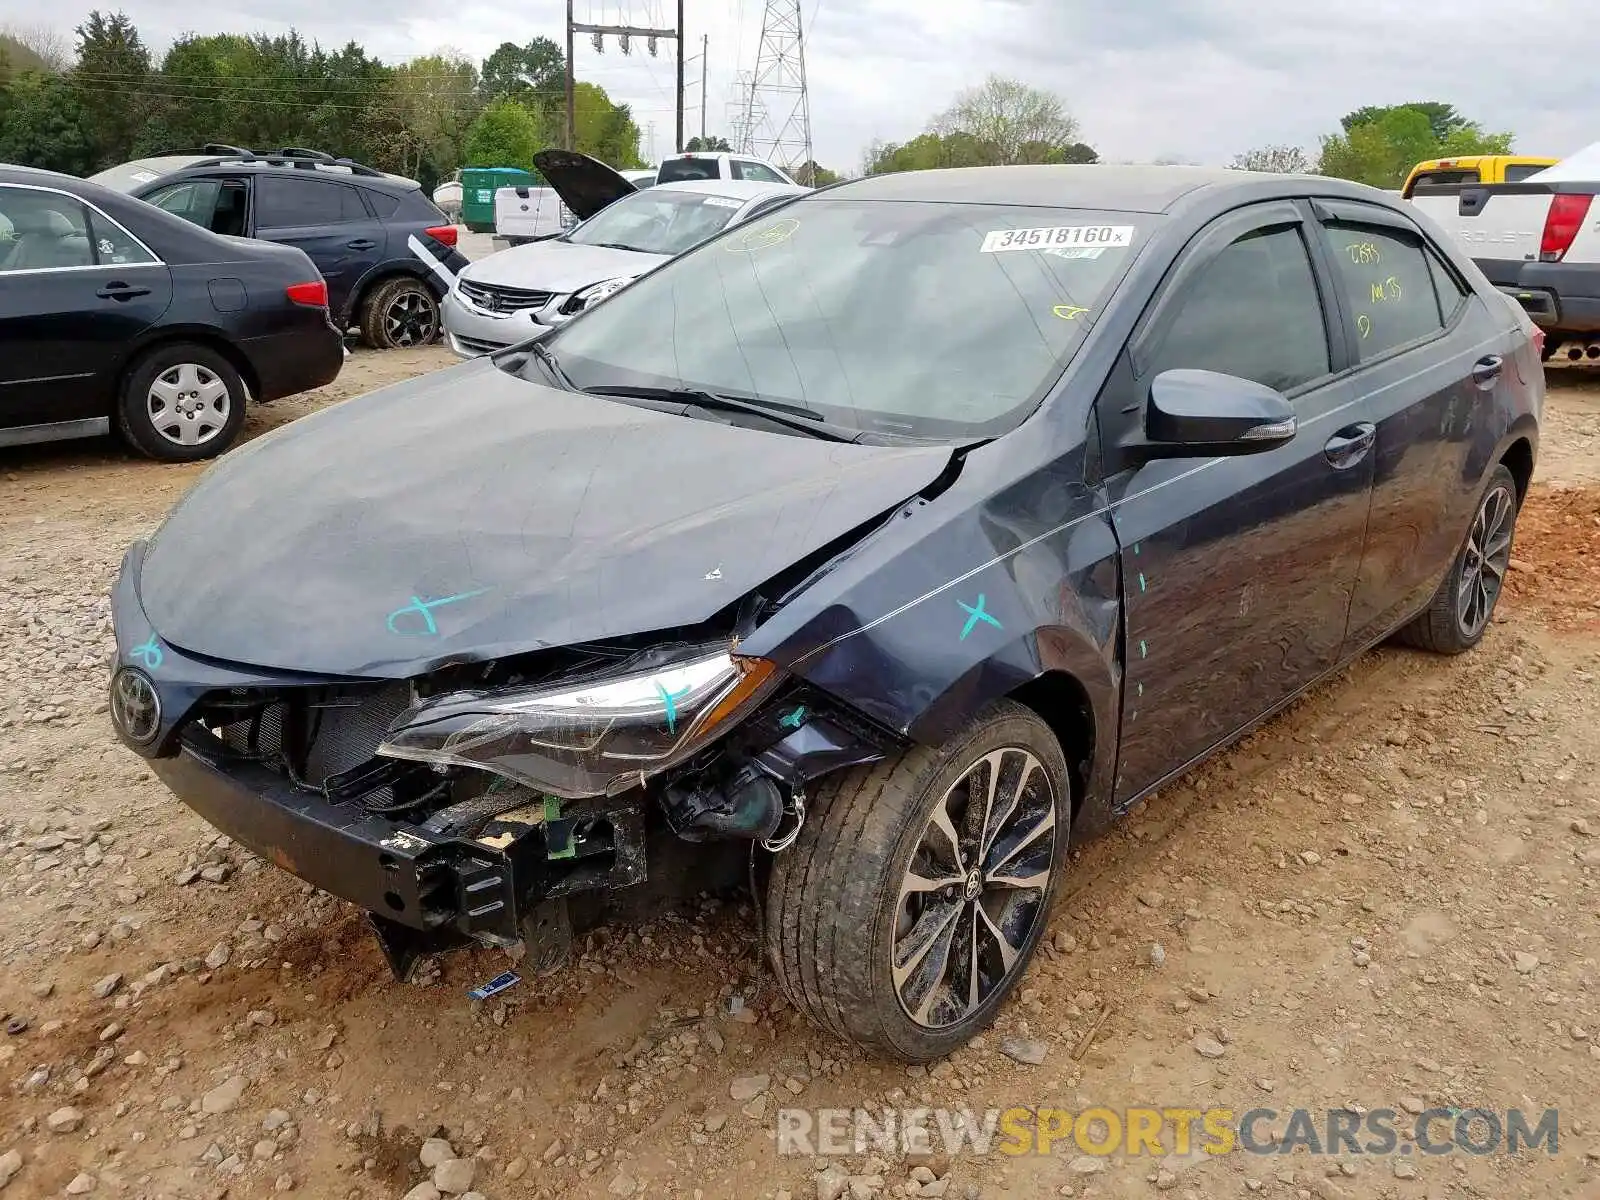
999,240
722,202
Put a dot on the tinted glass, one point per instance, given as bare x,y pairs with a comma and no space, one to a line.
922,320
1448,288
760,173
1253,312
113,245
383,203
1519,173
677,169
287,201
41,231
1388,285
195,200
1441,177
660,221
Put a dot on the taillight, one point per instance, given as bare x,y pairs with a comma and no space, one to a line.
443,233
312,295
1567,214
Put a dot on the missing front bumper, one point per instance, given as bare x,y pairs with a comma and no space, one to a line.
426,891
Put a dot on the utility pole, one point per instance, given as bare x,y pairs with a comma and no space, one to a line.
777,120
705,70
622,33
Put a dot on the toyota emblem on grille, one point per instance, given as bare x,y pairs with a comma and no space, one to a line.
135,706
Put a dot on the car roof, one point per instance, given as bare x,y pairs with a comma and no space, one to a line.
1120,189
35,177
125,175
734,189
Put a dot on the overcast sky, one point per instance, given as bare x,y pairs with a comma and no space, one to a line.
1192,80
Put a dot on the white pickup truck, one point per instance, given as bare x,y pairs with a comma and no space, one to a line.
1537,241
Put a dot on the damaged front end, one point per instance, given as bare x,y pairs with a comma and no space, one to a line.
469,805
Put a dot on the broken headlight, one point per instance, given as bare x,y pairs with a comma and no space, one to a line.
597,737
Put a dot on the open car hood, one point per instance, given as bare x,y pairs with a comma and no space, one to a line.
470,514
585,185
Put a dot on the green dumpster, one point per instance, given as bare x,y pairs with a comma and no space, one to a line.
477,193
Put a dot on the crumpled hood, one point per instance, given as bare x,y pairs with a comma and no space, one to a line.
470,514
559,267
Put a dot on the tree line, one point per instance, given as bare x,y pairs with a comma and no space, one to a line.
107,98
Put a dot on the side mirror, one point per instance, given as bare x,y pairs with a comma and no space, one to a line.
1204,414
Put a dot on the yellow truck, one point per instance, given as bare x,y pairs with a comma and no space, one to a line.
1475,168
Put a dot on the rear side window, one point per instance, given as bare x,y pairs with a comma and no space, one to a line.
113,244
1516,174
195,200
1388,286
383,203
284,202
1447,287
43,231
1253,312
759,172
675,169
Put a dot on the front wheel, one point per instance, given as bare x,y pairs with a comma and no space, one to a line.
1458,616
910,904
399,312
180,403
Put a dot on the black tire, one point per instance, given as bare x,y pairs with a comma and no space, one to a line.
168,384
1449,625
834,899
399,313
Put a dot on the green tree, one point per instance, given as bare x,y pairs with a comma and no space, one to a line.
1379,146
1016,123
423,113
708,145
111,81
1280,160
605,130
521,72
813,174
505,134
45,126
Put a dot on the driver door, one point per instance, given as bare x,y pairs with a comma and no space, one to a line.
1237,572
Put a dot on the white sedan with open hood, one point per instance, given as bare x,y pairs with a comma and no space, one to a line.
623,233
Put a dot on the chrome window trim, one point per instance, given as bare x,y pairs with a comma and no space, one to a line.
155,259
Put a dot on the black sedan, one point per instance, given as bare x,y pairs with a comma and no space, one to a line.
909,534
116,315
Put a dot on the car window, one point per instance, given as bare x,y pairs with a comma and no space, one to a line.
1253,311
759,172
383,203
1449,289
195,200
1388,285
114,245
678,169
941,321
47,231
286,201
1516,174
658,221
1469,175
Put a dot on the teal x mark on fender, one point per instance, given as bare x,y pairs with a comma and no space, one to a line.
975,613
669,700
424,609
149,653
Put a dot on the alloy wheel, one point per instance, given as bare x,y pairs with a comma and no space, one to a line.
188,404
975,888
410,320
1484,563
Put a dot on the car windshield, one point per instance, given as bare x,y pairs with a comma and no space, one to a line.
659,221
925,320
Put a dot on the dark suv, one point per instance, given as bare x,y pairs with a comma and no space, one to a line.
386,251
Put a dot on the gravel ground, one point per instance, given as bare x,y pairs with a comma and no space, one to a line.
1387,897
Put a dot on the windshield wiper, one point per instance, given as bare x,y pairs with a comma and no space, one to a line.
547,356
792,416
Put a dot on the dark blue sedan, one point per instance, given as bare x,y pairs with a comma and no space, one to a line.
889,543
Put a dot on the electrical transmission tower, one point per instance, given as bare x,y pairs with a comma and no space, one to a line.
738,114
777,113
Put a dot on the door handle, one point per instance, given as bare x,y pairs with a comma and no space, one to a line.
121,291
1350,445
361,244
1486,371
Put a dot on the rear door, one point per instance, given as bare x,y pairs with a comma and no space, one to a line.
1430,357
1237,572
327,219
75,289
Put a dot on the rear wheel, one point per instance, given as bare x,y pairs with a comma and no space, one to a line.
1459,614
399,312
910,904
180,403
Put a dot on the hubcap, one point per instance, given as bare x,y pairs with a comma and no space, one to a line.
1483,566
188,405
410,320
975,888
